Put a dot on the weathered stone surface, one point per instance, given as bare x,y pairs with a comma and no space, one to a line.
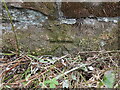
59,39
118,35
47,8
85,9
73,9
0,27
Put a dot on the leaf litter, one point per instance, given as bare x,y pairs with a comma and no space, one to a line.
98,69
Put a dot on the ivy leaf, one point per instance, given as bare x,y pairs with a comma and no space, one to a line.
55,81
47,82
109,79
52,85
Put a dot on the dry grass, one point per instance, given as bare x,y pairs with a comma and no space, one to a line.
83,70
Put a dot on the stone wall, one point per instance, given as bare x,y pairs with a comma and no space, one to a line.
73,9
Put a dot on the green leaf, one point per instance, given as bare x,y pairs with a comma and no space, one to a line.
109,79
9,54
40,84
100,84
55,81
52,85
24,83
8,86
52,82
47,82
